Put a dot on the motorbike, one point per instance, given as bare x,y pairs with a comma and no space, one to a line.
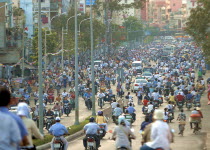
188,105
91,143
88,103
58,144
170,117
101,102
57,113
196,127
49,122
102,131
113,81
197,104
145,110
67,109
180,105
127,86
156,103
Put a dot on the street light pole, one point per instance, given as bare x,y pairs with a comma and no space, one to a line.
40,70
23,51
62,63
76,68
92,61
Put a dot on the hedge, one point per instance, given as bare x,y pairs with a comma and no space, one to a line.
73,129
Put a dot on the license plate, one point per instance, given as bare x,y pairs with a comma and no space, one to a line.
90,143
100,131
56,145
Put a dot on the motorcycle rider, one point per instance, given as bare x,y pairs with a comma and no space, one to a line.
58,130
150,107
101,120
122,133
91,130
179,98
117,112
131,110
160,136
50,113
57,107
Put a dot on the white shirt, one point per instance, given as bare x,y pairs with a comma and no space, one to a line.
64,94
160,135
101,95
114,104
150,108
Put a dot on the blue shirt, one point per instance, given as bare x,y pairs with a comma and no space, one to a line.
91,128
22,128
87,95
131,109
117,111
58,129
9,133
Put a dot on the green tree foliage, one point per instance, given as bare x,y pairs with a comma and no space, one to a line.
52,44
134,27
198,26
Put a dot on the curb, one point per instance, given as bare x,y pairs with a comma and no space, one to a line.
77,134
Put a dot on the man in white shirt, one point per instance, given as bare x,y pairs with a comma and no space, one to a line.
150,107
161,135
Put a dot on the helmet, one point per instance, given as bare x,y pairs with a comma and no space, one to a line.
100,112
92,119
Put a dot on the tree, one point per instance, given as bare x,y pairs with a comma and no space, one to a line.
52,43
198,25
134,28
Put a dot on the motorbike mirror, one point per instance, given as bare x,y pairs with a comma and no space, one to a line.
172,130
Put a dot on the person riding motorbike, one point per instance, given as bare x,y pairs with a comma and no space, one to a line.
195,117
59,130
180,98
117,112
102,120
122,133
91,130
128,117
131,110
160,133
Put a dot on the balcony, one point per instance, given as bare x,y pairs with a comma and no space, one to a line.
44,7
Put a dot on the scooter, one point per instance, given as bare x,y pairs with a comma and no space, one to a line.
49,122
188,105
67,109
58,144
91,143
102,131
56,113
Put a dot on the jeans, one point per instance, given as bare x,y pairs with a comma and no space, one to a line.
145,147
91,135
64,142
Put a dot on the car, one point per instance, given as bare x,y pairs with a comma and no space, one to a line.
147,75
136,83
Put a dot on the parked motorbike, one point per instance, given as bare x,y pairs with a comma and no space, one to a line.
67,109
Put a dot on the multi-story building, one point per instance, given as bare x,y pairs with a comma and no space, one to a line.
175,5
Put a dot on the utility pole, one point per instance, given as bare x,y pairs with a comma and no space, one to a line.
45,51
23,51
40,70
106,24
76,67
62,51
92,61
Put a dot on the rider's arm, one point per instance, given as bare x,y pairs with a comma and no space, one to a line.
35,131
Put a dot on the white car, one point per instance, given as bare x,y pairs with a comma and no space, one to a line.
147,75
136,84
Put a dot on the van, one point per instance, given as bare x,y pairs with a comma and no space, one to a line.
97,63
137,65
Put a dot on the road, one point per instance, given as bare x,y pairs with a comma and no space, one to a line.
189,141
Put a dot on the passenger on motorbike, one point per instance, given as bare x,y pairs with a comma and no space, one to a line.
102,120
122,134
91,130
59,130
117,111
179,98
194,117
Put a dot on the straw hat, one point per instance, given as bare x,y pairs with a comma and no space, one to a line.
158,114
